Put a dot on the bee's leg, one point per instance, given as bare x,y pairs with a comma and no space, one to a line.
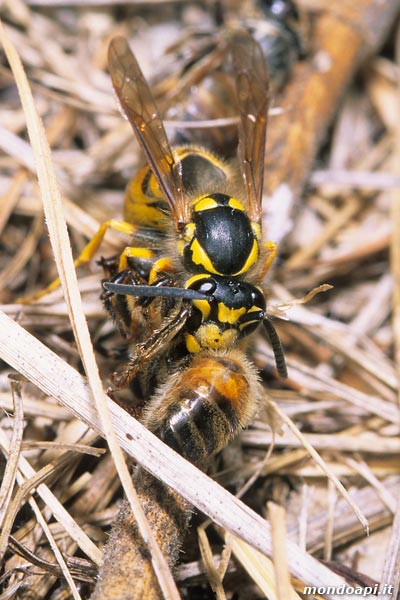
133,267
154,344
271,249
109,265
87,253
122,309
137,266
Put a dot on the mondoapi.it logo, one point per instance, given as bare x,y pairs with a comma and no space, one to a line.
347,590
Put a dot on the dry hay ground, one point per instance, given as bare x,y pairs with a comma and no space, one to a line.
338,220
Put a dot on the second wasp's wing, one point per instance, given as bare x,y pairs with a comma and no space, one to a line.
138,104
251,76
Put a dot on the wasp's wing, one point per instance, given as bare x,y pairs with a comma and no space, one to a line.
138,104
251,77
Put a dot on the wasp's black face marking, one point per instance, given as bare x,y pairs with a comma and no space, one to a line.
232,310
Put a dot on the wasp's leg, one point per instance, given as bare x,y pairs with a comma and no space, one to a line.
87,253
162,265
271,249
148,350
140,260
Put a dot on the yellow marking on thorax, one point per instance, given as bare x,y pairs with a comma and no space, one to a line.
200,257
188,232
205,203
251,259
233,203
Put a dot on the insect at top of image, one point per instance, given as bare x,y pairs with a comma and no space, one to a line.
205,256
198,88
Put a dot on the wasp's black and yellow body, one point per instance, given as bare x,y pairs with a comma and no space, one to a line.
196,287
188,289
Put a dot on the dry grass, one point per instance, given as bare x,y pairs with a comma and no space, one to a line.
60,490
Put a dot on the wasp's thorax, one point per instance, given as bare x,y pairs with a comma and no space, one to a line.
220,239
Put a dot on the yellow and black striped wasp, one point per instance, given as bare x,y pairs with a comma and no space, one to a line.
188,290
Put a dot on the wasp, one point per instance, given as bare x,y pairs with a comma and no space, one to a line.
188,290
200,92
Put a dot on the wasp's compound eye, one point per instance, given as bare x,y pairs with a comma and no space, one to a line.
206,286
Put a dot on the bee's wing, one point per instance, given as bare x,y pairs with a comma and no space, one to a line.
252,89
138,104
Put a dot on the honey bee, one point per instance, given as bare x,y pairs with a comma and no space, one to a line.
201,90
282,35
188,291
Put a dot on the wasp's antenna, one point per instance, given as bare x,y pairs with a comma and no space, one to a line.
276,348
150,291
